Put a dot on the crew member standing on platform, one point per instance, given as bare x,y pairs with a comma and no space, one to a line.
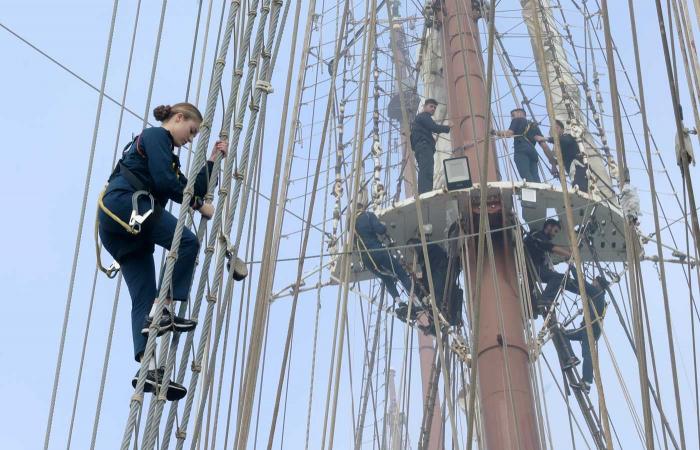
572,156
132,219
423,143
525,135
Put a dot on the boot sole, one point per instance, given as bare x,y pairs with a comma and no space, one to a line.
175,392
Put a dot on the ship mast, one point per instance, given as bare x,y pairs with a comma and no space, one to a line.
505,388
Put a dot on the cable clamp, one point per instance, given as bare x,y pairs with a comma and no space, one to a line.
264,85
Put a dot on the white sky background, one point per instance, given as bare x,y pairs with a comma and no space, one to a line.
47,119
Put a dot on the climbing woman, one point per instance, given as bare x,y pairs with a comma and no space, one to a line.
132,220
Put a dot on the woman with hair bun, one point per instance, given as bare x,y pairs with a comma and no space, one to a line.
132,220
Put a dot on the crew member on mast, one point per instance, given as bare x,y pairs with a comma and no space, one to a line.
132,219
572,156
525,135
375,257
423,143
596,299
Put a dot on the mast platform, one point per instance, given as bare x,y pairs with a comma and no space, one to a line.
534,202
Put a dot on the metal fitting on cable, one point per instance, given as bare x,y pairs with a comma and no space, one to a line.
253,62
237,175
265,53
238,125
196,367
265,86
180,434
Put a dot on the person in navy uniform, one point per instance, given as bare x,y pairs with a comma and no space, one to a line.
572,156
597,306
375,257
525,135
423,143
132,220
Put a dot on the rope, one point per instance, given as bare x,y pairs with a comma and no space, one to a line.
76,252
570,222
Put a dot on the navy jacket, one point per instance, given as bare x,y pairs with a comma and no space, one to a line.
524,133
155,165
422,131
368,227
538,246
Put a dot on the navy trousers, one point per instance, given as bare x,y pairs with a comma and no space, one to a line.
597,309
526,163
425,160
138,268
382,264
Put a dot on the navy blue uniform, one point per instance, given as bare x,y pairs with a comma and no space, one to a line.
570,153
375,257
156,168
539,246
423,145
524,152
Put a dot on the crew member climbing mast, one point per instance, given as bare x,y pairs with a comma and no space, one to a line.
423,143
132,219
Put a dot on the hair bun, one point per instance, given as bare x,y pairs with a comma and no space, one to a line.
162,112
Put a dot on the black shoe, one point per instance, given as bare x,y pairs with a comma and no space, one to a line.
164,325
571,362
182,325
582,386
154,381
401,311
240,270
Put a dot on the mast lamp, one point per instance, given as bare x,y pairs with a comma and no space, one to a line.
457,173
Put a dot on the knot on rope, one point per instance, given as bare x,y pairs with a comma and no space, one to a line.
254,106
211,298
161,395
238,73
196,367
237,175
265,86
221,61
266,8
180,434
253,62
137,398
265,53
172,255
238,125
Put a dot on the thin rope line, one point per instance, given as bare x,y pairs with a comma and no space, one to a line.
81,222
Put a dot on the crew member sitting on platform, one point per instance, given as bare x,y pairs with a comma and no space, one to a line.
540,248
526,134
596,299
375,256
573,158
423,143
132,219
448,295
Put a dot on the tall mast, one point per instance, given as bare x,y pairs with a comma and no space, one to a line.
505,388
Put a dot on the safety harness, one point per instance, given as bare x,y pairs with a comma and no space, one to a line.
136,219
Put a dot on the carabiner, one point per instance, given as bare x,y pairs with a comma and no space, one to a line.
136,219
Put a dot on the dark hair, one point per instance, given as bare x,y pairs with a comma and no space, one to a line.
551,222
163,113
518,109
430,101
559,123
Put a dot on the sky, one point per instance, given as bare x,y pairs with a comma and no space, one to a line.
48,117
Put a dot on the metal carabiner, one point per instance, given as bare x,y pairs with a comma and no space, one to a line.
136,219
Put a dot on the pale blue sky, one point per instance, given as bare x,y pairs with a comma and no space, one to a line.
47,119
